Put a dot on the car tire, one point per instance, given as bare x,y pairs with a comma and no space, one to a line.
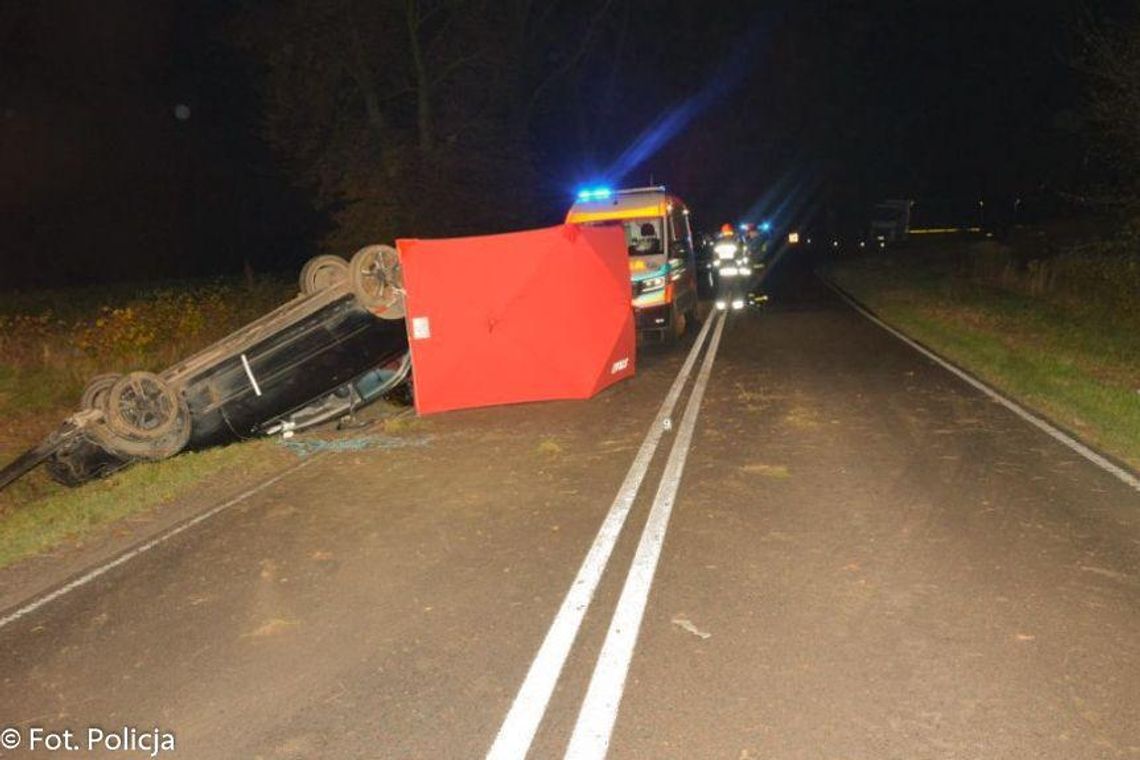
95,394
145,418
377,281
322,272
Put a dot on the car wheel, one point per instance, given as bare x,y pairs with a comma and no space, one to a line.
321,272
145,418
95,394
377,280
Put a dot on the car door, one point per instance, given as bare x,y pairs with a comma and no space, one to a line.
682,266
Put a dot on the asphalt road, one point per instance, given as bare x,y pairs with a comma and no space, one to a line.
866,559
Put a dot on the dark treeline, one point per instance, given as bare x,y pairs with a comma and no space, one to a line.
328,124
448,117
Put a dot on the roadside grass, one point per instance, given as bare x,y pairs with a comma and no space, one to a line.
401,424
1077,363
70,515
52,342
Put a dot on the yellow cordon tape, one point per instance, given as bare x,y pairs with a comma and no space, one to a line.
942,230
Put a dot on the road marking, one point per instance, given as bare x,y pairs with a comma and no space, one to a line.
591,737
526,713
91,575
1051,430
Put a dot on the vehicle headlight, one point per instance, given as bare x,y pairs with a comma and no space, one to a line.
653,283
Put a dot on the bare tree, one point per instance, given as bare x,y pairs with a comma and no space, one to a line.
414,116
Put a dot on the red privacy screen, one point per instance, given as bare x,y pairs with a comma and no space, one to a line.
523,316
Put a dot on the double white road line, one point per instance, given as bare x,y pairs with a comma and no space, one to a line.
592,732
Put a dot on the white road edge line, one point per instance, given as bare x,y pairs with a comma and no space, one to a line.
591,737
517,732
91,575
1052,431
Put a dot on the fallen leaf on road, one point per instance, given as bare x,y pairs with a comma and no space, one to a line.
549,446
272,628
687,625
802,418
776,471
1105,572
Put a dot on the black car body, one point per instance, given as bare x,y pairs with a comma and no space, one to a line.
238,387
340,343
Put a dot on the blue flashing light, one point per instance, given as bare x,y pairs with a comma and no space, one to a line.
766,226
599,193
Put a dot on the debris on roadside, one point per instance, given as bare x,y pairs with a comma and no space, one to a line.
308,446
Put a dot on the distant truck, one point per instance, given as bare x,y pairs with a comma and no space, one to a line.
890,221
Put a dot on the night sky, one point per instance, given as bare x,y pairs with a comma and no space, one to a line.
809,108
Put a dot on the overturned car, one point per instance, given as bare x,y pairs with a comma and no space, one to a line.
339,344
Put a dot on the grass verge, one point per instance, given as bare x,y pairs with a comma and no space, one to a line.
1076,364
71,515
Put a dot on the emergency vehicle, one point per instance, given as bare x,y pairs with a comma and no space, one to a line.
660,244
